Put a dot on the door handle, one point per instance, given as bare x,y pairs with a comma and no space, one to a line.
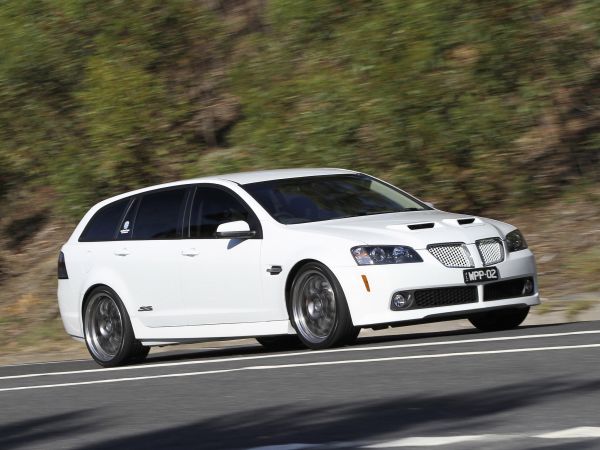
122,252
190,252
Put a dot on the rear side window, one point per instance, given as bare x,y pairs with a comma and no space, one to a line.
125,228
160,215
212,207
103,226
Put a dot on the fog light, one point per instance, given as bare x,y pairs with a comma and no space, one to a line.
528,287
401,300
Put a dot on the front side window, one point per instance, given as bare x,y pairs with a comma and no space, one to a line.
313,199
160,215
103,226
213,207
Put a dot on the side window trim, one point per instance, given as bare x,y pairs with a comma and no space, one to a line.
188,233
190,189
187,215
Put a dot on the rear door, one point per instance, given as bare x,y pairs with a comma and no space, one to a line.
94,257
148,255
221,278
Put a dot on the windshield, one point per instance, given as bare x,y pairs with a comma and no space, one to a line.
313,199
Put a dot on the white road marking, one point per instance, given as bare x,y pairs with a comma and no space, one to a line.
435,441
303,353
438,441
43,363
572,433
311,364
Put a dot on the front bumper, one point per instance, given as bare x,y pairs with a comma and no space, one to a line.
373,307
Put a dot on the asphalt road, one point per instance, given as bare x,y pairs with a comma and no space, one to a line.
535,387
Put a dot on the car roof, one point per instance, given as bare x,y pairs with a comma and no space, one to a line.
239,178
278,174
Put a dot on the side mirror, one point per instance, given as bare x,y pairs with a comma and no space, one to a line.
429,204
235,230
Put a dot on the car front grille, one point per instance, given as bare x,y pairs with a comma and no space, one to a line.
452,255
431,298
505,289
491,251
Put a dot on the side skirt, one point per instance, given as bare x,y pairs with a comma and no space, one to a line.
203,333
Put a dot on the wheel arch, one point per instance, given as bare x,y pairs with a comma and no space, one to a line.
294,271
345,327
290,279
86,296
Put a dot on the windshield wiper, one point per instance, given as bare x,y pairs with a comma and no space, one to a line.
373,213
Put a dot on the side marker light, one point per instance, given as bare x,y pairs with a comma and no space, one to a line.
366,281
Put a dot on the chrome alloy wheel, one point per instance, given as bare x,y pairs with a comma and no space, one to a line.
314,306
104,328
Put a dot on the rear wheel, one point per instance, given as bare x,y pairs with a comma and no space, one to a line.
318,308
108,333
139,353
500,319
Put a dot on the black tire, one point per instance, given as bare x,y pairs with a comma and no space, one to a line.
281,342
500,319
318,308
353,336
107,330
139,353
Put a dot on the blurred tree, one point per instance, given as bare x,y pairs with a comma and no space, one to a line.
485,104
433,95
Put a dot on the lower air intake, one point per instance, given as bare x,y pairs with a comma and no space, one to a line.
432,298
519,287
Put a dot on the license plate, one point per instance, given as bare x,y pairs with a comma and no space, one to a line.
480,275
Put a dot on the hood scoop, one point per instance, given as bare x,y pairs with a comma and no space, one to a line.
464,222
421,226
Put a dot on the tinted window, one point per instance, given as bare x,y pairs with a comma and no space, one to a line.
160,214
103,226
311,199
125,227
212,207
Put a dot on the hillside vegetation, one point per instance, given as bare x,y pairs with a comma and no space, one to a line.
477,103
480,106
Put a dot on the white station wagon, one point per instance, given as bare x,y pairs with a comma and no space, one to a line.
293,256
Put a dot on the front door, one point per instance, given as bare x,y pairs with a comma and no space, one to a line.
221,278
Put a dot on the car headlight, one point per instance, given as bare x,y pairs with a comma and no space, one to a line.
515,241
384,254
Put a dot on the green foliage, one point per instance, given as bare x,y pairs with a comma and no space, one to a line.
480,104
433,95
94,96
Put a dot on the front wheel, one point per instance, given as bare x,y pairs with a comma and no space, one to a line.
108,333
500,319
318,308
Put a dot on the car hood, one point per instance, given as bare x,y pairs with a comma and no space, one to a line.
416,229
